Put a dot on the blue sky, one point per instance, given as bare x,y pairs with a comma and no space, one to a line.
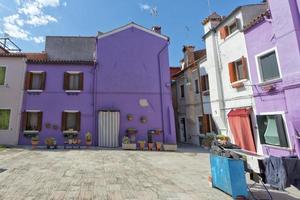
30,20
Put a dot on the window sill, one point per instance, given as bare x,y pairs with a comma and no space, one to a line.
239,84
31,131
70,131
35,91
277,147
73,91
270,82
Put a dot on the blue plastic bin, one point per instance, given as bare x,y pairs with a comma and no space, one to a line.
228,175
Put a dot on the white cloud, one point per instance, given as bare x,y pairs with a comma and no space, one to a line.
32,14
145,6
38,39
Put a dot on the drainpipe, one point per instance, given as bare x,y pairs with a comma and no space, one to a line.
95,90
160,83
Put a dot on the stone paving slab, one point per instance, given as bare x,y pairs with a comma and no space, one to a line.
107,174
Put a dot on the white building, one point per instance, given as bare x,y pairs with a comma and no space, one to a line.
12,73
230,86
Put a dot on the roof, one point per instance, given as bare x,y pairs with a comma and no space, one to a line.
130,25
214,16
258,19
61,62
36,56
237,9
12,55
198,55
173,71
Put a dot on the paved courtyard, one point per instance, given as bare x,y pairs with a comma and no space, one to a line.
107,174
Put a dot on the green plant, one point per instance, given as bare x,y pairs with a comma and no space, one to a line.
208,140
88,137
126,140
50,141
35,138
222,138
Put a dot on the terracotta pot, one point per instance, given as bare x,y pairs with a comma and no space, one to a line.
150,146
70,141
34,144
158,146
142,145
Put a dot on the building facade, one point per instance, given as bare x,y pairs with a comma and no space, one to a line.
193,117
93,84
272,40
12,72
231,94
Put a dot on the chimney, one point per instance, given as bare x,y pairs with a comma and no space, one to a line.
189,57
156,29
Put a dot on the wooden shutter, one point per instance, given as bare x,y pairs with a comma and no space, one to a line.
43,82
24,120
66,81
224,32
40,121
203,87
78,121
81,81
204,123
232,72
63,121
245,68
28,81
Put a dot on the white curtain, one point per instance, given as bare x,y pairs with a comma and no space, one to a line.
74,81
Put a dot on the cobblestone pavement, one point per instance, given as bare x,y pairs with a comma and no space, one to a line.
106,174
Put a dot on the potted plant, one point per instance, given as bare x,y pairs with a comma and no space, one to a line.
50,142
126,145
206,142
142,144
129,117
158,131
150,141
158,146
35,141
88,139
131,132
223,139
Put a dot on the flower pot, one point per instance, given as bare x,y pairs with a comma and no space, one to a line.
150,146
70,141
131,146
158,146
89,143
142,145
34,143
170,147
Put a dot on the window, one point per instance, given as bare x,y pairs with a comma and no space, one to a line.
196,86
32,121
73,81
204,83
200,121
71,121
2,75
272,130
4,119
268,66
182,91
238,70
232,27
35,80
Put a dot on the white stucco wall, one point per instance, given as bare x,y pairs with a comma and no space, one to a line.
11,96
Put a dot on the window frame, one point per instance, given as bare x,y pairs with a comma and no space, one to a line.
197,87
282,113
10,118
258,66
68,131
182,92
68,90
230,24
43,84
41,125
5,75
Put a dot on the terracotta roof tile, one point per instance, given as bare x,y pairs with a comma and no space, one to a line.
258,19
12,55
61,62
36,56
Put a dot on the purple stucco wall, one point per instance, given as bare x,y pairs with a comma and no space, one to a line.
53,101
134,65
281,32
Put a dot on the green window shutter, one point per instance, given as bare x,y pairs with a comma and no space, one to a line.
2,75
4,119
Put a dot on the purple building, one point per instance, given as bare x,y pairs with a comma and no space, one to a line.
102,85
272,41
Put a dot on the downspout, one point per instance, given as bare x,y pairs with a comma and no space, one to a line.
95,90
161,93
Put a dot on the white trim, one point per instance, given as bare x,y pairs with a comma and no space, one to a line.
134,26
34,90
257,56
71,111
282,113
10,118
37,72
66,131
74,72
4,84
33,111
28,131
73,91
